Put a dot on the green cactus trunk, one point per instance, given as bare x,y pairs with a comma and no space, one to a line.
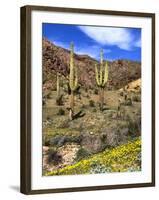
101,79
71,113
101,99
73,82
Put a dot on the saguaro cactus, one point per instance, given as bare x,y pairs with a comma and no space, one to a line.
101,79
73,81
59,96
57,84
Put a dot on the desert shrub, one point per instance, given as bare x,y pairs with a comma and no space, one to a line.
94,110
61,112
44,101
54,157
110,114
91,103
95,91
59,100
121,93
64,124
82,153
91,142
134,126
49,96
83,106
60,140
128,102
136,98
73,139
46,141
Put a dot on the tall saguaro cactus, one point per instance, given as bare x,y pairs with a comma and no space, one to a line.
58,84
59,96
73,81
101,78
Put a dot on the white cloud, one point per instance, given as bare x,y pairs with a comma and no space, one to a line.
138,43
92,51
121,37
60,44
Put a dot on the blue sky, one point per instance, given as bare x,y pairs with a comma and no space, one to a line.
117,42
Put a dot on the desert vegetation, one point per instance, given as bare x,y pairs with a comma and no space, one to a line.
91,113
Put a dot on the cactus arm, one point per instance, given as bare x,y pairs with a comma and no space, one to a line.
101,78
71,77
76,79
101,74
101,67
105,74
72,52
97,75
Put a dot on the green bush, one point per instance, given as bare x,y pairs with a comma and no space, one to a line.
81,153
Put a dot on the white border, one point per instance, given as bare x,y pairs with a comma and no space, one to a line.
39,182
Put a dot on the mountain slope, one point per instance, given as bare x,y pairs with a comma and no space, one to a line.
56,59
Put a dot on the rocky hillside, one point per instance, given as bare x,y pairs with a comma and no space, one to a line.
57,59
134,86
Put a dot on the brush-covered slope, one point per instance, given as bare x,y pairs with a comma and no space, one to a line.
124,158
55,58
